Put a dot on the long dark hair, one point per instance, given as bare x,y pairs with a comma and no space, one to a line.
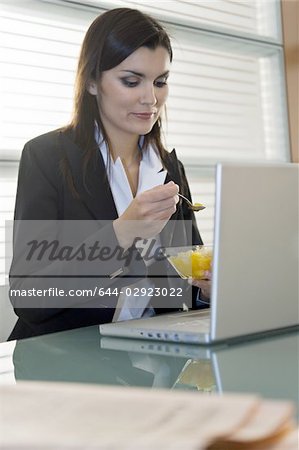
111,38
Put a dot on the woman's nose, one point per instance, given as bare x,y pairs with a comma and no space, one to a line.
148,96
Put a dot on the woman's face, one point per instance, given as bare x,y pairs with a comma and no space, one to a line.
131,95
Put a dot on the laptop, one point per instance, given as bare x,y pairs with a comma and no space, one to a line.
255,262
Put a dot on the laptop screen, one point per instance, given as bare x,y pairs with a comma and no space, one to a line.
255,271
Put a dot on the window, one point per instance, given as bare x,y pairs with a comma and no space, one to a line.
6,363
227,89
39,47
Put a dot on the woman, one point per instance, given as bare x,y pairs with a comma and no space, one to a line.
108,165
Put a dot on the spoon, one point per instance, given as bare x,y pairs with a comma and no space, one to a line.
194,206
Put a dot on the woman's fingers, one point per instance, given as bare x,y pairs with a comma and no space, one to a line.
147,214
162,199
159,193
204,285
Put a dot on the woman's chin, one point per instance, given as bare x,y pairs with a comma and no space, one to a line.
142,130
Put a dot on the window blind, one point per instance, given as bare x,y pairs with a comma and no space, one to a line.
223,95
8,183
223,90
6,363
251,18
38,58
202,185
39,47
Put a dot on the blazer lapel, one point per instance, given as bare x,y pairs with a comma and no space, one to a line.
172,167
93,188
173,174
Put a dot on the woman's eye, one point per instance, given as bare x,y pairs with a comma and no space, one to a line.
160,83
129,83
133,83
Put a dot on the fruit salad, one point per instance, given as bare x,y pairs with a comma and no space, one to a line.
195,263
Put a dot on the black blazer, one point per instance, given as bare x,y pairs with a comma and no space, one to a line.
44,194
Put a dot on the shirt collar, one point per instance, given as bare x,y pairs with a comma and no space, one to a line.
150,157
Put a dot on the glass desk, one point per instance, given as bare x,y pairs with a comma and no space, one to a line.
267,366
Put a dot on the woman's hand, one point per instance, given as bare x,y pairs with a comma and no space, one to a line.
147,214
205,286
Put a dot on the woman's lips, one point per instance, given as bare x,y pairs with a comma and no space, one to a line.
144,116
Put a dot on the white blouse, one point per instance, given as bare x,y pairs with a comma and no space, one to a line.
151,174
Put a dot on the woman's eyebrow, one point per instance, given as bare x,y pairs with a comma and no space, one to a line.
138,74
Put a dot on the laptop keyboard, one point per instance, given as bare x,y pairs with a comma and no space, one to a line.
195,322
200,320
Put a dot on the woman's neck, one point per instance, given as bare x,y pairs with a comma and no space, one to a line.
127,149
124,148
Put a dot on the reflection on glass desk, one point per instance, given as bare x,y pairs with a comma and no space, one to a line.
266,366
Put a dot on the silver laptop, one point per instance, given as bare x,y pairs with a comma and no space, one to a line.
255,262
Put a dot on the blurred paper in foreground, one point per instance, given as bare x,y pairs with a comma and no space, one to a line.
73,416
